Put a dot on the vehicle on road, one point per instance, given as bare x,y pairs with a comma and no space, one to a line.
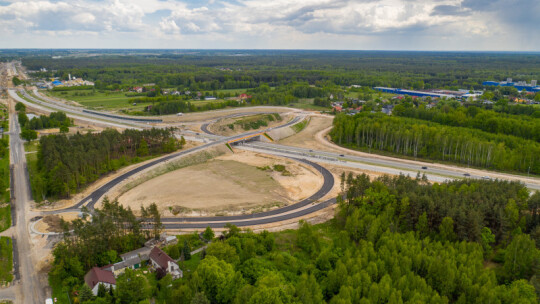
424,168
466,174
486,177
342,155
179,114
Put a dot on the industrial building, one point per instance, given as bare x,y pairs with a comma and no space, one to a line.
520,85
414,93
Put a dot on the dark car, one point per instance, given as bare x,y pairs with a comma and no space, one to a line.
466,174
424,167
342,155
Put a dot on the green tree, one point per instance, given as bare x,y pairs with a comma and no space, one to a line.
20,107
446,229
174,252
208,234
131,287
422,228
488,238
308,290
306,238
143,148
520,258
23,119
186,250
102,291
85,293
182,294
200,298
28,134
223,251
217,279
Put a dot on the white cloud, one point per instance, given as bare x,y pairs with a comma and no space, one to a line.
363,24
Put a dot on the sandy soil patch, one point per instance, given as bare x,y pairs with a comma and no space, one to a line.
228,184
209,115
306,138
221,127
51,223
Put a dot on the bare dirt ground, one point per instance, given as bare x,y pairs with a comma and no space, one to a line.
62,100
209,115
72,130
306,137
52,223
228,184
221,127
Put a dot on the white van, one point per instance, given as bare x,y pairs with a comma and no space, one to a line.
179,114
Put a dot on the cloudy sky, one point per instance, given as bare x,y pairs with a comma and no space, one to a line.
498,25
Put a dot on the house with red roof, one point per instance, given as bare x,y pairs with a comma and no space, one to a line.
97,276
160,259
244,96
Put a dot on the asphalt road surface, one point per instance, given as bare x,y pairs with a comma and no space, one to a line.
32,291
77,114
371,163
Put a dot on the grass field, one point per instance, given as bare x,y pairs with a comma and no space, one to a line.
116,100
234,92
99,100
307,104
5,217
6,260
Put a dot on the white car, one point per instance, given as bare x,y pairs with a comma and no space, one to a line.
179,114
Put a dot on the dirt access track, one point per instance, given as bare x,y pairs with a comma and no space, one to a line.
239,183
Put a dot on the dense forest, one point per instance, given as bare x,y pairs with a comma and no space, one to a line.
213,70
423,139
174,105
68,163
393,240
453,114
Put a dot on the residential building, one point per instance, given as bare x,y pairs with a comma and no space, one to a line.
97,276
160,259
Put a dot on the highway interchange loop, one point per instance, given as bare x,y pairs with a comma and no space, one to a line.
303,155
299,209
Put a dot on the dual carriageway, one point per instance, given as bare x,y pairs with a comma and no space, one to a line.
310,157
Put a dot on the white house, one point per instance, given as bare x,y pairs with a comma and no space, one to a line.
97,276
160,259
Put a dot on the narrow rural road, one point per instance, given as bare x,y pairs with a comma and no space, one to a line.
31,289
